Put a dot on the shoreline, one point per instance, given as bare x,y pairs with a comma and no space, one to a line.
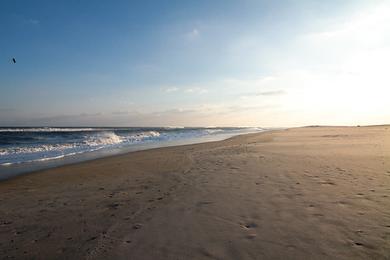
298,193
19,169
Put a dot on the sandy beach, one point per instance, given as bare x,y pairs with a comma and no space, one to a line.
301,193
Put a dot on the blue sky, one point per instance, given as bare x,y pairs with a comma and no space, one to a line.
194,63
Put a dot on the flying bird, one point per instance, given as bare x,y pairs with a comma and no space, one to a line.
13,59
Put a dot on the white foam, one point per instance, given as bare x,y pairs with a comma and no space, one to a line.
6,164
37,149
41,159
147,134
213,131
103,138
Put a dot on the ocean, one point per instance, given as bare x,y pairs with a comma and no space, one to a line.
24,149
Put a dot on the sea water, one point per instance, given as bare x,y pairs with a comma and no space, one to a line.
32,148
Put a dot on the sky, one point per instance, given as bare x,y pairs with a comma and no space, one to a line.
194,63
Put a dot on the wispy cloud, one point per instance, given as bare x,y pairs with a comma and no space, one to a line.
196,90
171,89
271,93
265,93
119,113
187,89
91,114
193,34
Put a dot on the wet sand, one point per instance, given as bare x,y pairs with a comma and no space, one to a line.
302,193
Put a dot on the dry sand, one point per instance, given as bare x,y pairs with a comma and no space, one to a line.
304,193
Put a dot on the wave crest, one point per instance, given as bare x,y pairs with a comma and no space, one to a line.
103,138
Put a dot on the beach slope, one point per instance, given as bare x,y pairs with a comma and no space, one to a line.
302,193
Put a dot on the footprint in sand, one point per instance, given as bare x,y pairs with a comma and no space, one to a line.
137,226
340,169
251,236
342,203
249,225
92,238
202,203
358,244
327,182
113,206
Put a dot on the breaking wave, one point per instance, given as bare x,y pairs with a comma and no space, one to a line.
20,145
